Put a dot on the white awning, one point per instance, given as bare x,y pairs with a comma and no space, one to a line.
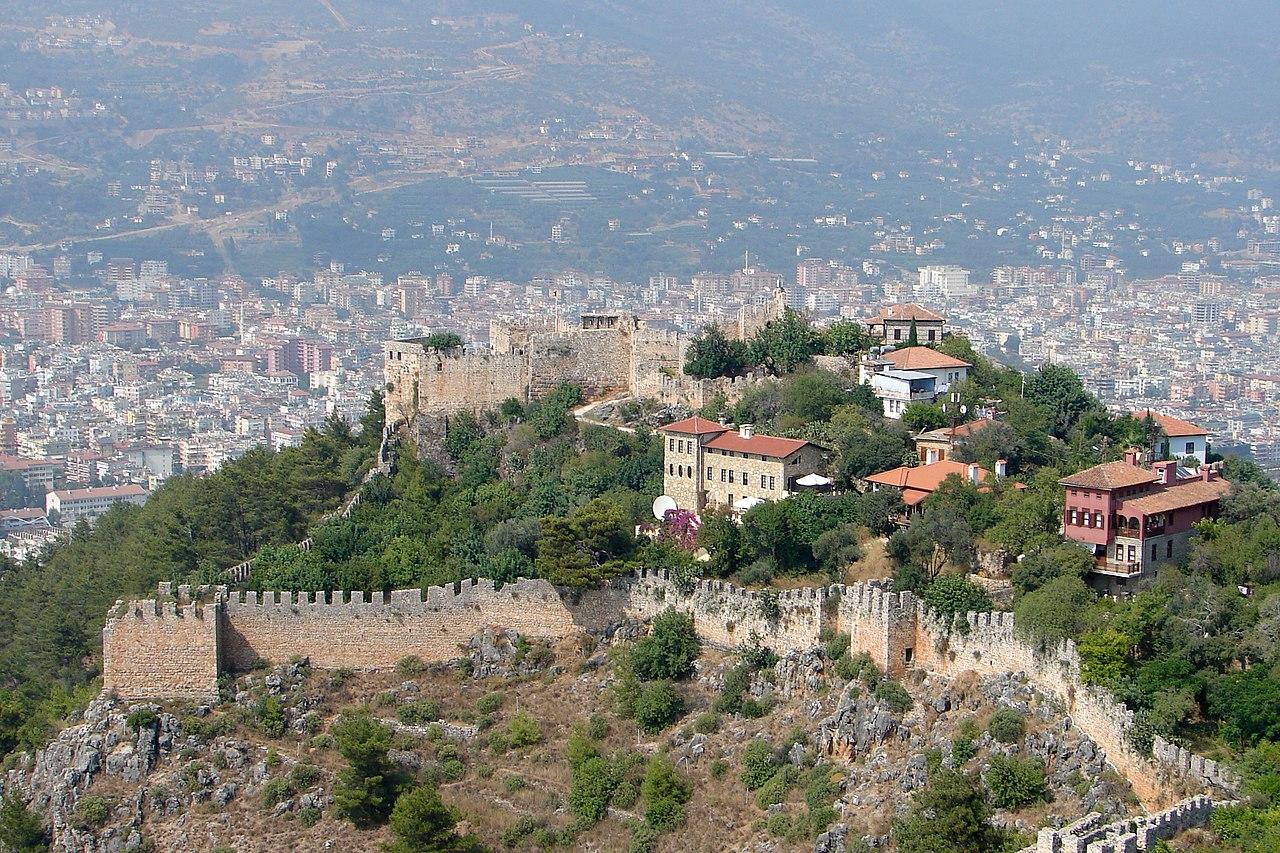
747,503
812,480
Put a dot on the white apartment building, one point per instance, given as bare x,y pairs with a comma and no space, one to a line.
946,281
72,505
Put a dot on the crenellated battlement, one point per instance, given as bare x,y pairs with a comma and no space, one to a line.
179,642
1124,836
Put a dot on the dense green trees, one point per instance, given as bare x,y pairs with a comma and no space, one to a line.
780,346
949,815
52,608
712,355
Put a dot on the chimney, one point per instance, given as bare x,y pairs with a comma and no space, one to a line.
747,430
1131,456
973,472
724,422
1002,467
1166,472
1206,472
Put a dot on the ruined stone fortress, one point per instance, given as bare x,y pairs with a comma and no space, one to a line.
177,645
604,353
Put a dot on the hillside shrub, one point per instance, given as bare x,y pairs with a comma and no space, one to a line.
1006,725
670,649
1015,782
658,706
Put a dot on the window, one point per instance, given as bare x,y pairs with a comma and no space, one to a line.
1098,520
745,479
710,473
771,484
897,334
1075,518
679,470
931,335
722,475
1191,448
731,480
1168,549
680,446
1153,550
1133,553
671,444
688,473
1119,552
763,481
671,469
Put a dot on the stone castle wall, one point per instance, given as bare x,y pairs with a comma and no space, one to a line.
157,650
604,355
1090,835
435,381
162,649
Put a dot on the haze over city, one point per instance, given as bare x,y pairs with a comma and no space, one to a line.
639,425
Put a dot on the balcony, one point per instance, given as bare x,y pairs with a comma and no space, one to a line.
1117,568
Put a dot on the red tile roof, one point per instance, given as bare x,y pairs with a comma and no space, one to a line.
1109,475
694,426
761,445
923,358
926,478
1186,493
1173,427
906,312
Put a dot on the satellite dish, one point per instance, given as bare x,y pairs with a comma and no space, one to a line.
662,505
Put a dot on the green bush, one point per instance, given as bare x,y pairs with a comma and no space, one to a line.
411,665
758,764
489,703
271,721
140,719
276,791
523,730
820,789
774,790
1006,725
340,676
1015,782
309,816
658,706
20,828
591,785
305,775
670,649
418,712
520,832
597,727
92,811
707,723
894,695
665,791
836,646
719,767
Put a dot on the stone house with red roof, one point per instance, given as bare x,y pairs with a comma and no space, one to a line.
1136,519
710,464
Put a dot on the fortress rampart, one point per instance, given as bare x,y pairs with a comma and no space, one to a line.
171,648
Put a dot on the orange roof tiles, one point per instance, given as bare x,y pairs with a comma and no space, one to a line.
1186,493
926,478
1173,427
761,445
906,312
694,426
923,358
1109,475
